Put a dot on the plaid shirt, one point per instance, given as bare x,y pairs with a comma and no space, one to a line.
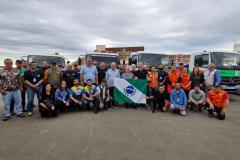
10,79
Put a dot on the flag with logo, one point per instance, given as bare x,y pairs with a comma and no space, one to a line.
130,91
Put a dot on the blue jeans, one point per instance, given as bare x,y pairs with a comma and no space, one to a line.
16,96
95,104
30,96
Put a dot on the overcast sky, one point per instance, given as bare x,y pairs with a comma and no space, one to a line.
70,26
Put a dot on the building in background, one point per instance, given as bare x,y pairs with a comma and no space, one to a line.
180,58
124,52
236,47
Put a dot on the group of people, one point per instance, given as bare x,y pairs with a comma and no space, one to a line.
91,88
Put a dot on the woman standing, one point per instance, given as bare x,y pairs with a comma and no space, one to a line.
47,105
197,77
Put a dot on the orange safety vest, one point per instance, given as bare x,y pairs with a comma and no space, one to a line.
185,80
180,72
173,78
153,83
218,98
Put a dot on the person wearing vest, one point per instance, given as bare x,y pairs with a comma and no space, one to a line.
218,101
186,82
105,100
53,76
180,69
173,77
91,94
212,77
152,78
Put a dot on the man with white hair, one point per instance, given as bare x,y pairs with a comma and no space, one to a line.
112,73
212,77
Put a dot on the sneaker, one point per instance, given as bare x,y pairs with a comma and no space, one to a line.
21,115
153,111
13,113
210,115
6,118
183,113
30,113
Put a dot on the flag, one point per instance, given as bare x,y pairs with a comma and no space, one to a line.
130,91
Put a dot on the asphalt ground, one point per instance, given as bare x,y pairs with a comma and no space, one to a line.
122,134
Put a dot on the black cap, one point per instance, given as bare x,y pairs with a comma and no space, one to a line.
104,80
53,63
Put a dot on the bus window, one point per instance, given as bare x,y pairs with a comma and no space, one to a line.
202,60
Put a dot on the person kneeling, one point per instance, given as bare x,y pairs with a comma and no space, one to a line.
75,94
104,95
196,98
47,105
178,100
218,101
161,99
91,95
62,97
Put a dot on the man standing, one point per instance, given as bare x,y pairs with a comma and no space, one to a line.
110,75
178,100
212,77
34,79
69,76
53,76
196,98
10,86
173,77
140,73
162,76
101,72
218,101
89,71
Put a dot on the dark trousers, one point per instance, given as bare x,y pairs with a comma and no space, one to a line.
48,112
95,102
192,106
61,106
111,92
156,103
218,110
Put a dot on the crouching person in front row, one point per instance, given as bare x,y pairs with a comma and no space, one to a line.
161,99
196,98
178,100
62,97
47,106
218,101
75,94
91,95
105,100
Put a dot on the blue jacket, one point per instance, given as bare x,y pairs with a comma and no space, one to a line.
61,95
178,98
217,78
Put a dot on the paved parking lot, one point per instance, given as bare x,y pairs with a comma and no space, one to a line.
122,134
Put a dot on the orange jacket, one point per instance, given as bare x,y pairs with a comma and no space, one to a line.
173,77
218,98
153,83
185,80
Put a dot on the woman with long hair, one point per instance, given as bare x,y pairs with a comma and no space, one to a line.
197,77
62,97
47,105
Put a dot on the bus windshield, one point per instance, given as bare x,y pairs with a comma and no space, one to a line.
154,59
107,58
225,60
40,58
